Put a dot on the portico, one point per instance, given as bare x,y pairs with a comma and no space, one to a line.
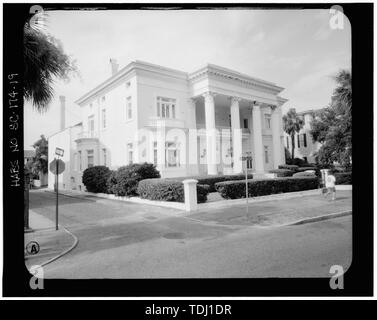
234,125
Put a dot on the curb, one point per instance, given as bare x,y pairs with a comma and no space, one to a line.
76,241
317,219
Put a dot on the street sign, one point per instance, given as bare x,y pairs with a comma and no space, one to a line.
59,152
57,163
246,156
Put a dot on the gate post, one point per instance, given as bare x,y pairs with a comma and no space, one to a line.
191,199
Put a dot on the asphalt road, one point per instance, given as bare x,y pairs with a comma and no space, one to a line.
126,240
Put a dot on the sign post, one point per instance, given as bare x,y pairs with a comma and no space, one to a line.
247,157
57,166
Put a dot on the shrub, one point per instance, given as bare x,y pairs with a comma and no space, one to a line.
288,167
168,190
212,180
261,187
125,180
343,178
304,174
301,169
282,172
95,178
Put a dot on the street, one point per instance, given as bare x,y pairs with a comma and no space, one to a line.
127,240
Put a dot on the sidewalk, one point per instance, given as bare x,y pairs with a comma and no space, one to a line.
52,242
278,212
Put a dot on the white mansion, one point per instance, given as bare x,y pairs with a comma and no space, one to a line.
186,123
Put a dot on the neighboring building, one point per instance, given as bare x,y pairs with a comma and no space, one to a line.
305,147
149,113
28,155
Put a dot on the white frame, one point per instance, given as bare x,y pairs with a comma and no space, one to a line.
129,107
158,107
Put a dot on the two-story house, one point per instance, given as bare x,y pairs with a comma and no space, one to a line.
185,123
305,147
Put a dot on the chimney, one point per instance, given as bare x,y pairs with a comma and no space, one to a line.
62,112
114,66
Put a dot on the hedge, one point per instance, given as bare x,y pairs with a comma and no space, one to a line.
125,180
95,178
168,190
261,187
301,169
304,174
288,167
343,178
212,180
282,172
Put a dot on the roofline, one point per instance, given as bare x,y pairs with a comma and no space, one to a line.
146,66
134,65
236,75
301,113
70,127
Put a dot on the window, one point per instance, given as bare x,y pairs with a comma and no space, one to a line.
128,84
90,154
130,153
298,140
172,154
103,118
249,164
305,143
129,108
267,121
91,105
166,107
75,162
103,99
80,165
155,156
266,154
246,123
288,143
104,157
91,124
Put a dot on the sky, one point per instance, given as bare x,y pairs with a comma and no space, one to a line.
296,49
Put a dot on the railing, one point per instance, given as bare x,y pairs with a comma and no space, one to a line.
245,131
87,135
166,122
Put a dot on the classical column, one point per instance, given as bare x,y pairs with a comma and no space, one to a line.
258,142
161,138
236,134
209,106
192,148
276,137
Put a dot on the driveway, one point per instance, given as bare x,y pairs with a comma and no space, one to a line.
127,240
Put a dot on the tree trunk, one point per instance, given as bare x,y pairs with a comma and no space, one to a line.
293,145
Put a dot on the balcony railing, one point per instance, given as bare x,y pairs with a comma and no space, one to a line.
87,135
166,122
245,131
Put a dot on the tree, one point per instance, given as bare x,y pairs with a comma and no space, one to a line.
40,161
292,123
44,61
333,126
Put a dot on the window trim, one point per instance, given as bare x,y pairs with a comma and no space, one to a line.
266,158
129,106
103,118
177,150
267,116
166,107
89,153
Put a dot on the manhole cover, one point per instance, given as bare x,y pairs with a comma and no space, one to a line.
174,235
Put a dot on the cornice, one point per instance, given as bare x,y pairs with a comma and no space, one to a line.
227,74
